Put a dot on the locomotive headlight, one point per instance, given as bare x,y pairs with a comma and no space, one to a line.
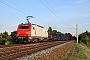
26,32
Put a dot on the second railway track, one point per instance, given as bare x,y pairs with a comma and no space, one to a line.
13,52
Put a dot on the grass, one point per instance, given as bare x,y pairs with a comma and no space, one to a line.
7,42
86,51
80,52
65,54
74,53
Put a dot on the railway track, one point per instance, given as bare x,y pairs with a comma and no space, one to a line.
13,52
3,46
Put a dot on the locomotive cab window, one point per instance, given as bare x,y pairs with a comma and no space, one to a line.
24,27
33,28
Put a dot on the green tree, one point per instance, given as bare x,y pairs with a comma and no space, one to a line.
85,38
13,36
2,41
5,38
66,34
69,35
54,31
49,30
60,33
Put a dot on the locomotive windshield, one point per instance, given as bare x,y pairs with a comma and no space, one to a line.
24,27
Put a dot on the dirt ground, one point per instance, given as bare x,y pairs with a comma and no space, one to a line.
70,54
75,51
56,53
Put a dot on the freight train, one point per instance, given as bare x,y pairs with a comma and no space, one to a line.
27,32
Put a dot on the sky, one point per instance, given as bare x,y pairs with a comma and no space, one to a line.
62,15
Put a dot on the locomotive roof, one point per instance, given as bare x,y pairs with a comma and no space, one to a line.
38,25
32,24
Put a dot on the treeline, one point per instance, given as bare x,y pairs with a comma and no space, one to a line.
85,38
53,31
6,39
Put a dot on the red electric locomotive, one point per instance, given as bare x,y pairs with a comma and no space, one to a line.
31,33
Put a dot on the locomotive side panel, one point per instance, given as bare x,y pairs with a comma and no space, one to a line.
33,31
39,32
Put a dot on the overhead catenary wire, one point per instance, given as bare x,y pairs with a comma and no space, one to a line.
50,6
18,6
13,8
52,11
25,12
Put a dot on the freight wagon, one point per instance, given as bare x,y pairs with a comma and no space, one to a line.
59,37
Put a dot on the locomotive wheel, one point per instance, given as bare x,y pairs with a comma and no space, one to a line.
36,40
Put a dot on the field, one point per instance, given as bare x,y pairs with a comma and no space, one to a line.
77,52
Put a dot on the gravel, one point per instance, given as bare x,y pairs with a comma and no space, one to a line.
41,55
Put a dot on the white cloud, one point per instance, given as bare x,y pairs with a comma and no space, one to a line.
67,6
69,16
81,1
83,24
78,15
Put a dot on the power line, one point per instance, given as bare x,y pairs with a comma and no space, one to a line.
47,7
50,6
52,11
27,11
23,9
12,7
17,9
18,6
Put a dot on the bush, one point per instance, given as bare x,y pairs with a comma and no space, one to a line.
2,41
4,37
85,38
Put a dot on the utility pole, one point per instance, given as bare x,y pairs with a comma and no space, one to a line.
77,32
